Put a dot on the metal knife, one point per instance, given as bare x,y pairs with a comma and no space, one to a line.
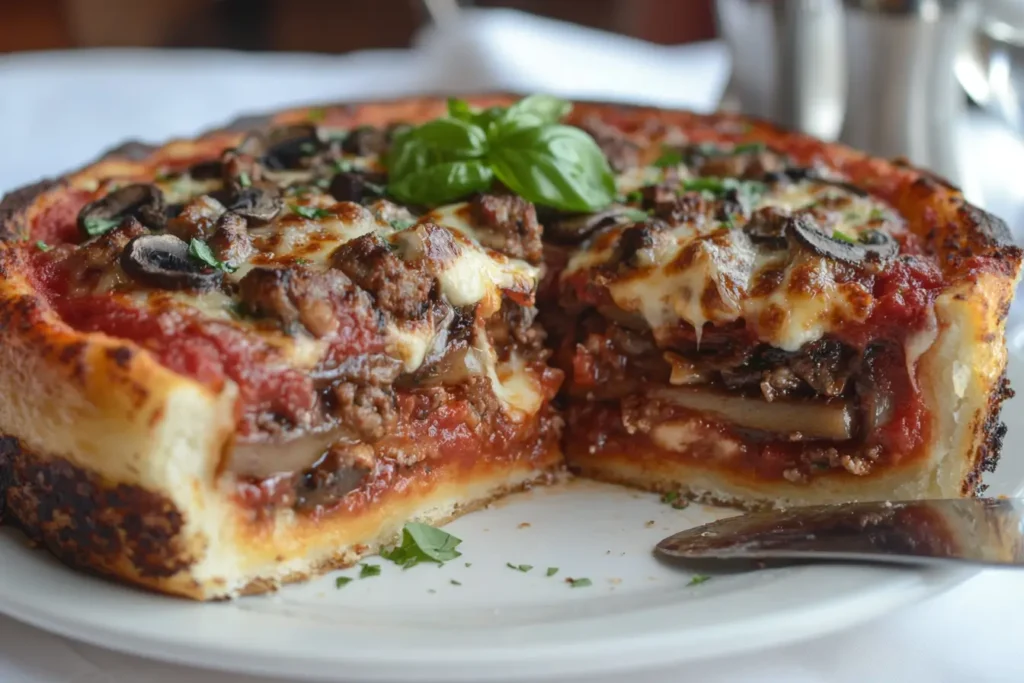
981,531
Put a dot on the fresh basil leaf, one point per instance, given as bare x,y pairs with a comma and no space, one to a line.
484,119
310,212
200,250
543,109
669,157
442,183
558,166
367,570
433,143
635,215
460,109
97,226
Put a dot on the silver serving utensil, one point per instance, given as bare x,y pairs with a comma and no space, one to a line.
974,530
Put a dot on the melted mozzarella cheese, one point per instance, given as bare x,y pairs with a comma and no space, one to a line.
700,273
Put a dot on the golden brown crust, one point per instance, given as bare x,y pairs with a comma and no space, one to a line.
111,460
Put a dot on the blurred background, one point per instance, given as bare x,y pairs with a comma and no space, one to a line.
331,26
940,82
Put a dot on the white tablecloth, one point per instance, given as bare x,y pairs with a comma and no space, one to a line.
59,110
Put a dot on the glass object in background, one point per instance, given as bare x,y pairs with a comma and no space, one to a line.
991,65
787,62
903,97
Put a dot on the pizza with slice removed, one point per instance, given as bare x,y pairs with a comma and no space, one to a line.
244,359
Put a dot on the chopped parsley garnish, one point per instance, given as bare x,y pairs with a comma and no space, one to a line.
697,579
200,251
316,114
669,157
310,212
456,583
670,497
519,567
423,543
469,564
97,226
402,223
43,246
749,148
368,570
551,571
302,261
579,583
635,214
342,581
842,237
876,215
634,196
244,180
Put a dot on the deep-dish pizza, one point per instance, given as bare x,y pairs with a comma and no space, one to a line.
244,359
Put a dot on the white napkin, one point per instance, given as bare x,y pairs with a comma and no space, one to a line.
59,110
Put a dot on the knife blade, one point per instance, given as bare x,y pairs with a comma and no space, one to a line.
984,531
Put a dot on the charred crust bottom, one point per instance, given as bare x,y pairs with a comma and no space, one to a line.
86,522
993,431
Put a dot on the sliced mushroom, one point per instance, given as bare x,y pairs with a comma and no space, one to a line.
348,186
289,145
876,247
365,140
576,228
163,261
142,201
257,204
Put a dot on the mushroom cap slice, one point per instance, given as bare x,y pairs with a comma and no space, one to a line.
163,261
140,200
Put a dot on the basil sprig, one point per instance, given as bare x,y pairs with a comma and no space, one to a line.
524,146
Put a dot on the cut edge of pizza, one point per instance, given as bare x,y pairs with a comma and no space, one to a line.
234,362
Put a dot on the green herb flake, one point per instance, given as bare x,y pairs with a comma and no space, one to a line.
698,579
669,157
43,246
670,497
579,583
551,571
244,180
519,567
455,583
200,251
368,570
97,226
635,214
342,581
431,590
469,564
342,165
317,114
876,215
423,543
402,223
634,196
749,148
842,237
310,212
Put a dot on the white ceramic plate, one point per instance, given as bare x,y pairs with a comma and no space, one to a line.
500,623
